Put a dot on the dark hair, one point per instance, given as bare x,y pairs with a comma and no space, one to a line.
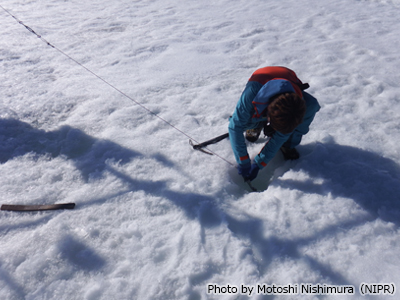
286,112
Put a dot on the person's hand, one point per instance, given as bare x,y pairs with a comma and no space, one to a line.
248,171
244,170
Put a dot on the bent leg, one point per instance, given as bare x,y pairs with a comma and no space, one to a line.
312,108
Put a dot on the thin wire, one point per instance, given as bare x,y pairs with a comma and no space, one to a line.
107,83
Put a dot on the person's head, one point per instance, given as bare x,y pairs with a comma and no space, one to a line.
286,112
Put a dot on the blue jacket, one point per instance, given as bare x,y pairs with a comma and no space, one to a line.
248,115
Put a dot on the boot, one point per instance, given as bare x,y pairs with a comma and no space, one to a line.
290,153
253,134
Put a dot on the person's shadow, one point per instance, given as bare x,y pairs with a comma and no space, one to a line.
336,171
369,179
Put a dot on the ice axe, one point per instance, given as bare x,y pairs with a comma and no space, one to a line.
209,142
214,141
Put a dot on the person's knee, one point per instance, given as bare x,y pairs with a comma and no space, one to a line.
311,103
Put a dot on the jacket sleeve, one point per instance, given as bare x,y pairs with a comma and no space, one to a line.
271,148
241,121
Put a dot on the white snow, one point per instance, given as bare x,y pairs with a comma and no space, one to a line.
155,219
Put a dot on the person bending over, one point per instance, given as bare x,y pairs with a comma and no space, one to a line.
273,101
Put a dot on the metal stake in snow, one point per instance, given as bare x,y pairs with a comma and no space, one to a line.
14,207
250,185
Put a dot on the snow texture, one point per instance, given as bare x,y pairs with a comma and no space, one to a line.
157,220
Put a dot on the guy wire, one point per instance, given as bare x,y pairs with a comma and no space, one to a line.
108,83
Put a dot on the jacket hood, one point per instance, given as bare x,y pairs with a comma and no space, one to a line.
269,90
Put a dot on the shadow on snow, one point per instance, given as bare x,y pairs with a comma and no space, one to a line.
367,178
89,155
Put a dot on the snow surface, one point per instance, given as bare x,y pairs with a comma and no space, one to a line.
155,219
